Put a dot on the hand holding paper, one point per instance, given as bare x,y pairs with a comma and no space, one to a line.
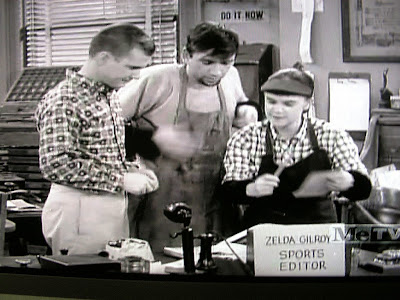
339,181
264,185
320,183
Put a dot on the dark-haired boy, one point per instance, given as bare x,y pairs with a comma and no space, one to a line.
192,108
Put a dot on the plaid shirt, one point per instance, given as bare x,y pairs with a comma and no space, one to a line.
82,135
248,145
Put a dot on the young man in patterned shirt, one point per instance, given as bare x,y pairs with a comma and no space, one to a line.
301,145
82,147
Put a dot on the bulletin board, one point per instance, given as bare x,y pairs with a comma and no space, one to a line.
350,102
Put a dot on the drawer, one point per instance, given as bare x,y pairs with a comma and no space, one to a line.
389,141
389,147
389,131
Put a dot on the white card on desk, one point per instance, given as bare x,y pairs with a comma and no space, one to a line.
296,250
20,204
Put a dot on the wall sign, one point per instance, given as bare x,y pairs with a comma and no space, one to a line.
237,13
253,21
242,15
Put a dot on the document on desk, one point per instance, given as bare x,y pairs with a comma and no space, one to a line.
17,205
220,250
315,185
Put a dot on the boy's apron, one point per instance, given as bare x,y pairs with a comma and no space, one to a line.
193,181
282,207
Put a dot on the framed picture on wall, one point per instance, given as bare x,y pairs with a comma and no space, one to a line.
371,30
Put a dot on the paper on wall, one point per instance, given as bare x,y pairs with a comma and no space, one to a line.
349,103
305,35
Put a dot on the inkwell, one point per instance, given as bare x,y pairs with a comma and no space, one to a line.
180,212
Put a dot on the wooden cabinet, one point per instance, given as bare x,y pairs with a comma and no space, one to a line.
382,143
389,142
255,63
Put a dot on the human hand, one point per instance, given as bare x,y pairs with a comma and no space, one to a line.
177,142
264,185
140,181
245,114
339,181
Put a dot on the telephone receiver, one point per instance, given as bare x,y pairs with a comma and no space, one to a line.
180,212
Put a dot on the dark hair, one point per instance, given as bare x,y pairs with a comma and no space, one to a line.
119,39
207,36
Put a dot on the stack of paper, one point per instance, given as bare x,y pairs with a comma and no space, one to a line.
21,205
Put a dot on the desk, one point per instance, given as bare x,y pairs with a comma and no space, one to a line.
9,263
28,237
226,268
361,256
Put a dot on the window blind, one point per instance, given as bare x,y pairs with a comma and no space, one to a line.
58,32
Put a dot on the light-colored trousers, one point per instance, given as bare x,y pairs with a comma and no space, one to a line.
81,221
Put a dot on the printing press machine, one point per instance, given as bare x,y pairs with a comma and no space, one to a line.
19,139
19,157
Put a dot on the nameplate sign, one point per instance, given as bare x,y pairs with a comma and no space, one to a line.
296,250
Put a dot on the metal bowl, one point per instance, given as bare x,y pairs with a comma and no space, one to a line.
389,197
387,215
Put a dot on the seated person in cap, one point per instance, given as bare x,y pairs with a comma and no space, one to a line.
302,145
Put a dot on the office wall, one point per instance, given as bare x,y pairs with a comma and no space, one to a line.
326,48
253,21
257,30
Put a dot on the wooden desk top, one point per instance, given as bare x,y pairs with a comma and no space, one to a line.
224,268
24,214
386,111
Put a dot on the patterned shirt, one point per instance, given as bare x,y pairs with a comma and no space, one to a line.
82,135
248,145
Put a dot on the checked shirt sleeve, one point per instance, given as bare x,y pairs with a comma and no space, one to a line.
64,157
345,154
345,157
240,160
